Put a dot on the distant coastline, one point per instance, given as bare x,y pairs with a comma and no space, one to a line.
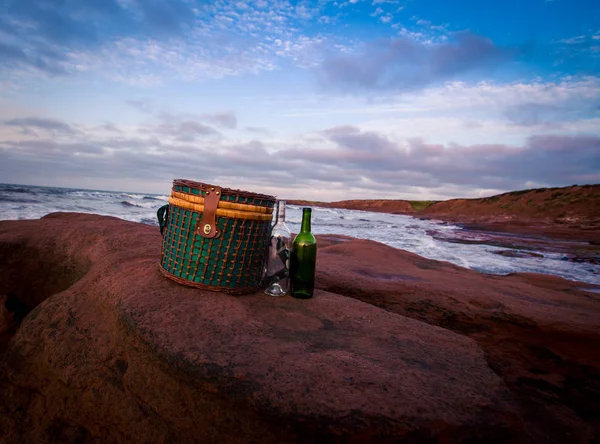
571,212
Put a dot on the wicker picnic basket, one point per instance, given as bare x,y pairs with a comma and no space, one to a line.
215,238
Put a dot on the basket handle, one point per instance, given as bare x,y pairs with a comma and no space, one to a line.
207,225
163,217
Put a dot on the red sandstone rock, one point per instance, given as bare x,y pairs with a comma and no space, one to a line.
115,352
540,333
568,212
568,204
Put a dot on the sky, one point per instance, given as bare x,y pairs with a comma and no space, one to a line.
323,100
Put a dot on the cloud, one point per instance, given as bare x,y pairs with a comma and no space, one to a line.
147,42
403,64
166,18
574,40
110,127
145,106
143,42
257,130
549,159
568,104
575,45
551,104
346,157
44,151
28,124
44,36
226,119
552,114
180,127
88,22
45,60
582,52
222,43
187,124
186,131
353,140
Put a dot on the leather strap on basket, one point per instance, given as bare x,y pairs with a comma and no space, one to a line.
207,226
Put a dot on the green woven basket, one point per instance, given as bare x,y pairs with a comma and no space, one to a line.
215,238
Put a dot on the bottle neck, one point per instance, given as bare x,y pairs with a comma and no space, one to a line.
306,213
280,212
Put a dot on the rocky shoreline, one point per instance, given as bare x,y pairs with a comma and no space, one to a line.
392,347
524,243
560,220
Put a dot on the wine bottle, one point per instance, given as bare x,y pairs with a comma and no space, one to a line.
278,259
303,260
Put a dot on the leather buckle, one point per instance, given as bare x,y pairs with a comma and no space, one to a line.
207,225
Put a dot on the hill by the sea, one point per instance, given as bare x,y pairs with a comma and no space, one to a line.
572,211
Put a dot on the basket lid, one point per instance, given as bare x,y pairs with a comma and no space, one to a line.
200,188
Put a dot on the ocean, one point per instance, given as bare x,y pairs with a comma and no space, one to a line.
428,238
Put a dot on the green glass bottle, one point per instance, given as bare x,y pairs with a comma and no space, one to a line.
303,260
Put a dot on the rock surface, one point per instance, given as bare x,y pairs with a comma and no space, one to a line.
114,352
567,205
569,212
392,347
540,333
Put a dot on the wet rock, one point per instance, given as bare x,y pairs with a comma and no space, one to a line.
517,253
582,259
520,245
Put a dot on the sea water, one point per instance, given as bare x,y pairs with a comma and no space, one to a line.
399,231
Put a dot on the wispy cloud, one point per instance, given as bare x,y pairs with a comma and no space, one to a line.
574,40
582,50
184,127
42,36
226,119
182,131
145,105
33,125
